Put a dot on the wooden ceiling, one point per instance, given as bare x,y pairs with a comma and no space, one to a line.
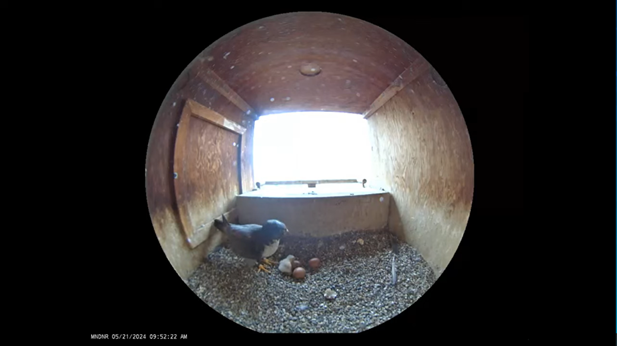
260,64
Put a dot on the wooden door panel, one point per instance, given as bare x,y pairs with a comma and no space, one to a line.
211,164
207,166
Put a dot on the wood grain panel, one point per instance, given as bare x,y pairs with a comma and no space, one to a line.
211,164
160,183
213,117
417,68
179,171
422,155
208,233
219,85
207,168
205,95
261,62
318,216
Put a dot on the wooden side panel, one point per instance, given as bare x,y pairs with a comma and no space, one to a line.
211,162
180,172
422,155
160,183
207,174
206,96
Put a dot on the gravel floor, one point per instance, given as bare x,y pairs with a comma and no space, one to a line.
358,271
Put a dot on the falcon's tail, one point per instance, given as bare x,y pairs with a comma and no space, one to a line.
222,226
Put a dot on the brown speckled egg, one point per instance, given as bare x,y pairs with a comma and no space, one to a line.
314,263
299,273
296,264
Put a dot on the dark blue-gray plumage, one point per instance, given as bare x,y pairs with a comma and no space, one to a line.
251,241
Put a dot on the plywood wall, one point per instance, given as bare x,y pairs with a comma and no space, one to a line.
159,168
319,216
422,155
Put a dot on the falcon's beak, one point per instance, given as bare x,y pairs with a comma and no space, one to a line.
286,230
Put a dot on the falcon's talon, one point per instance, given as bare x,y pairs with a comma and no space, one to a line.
268,262
261,267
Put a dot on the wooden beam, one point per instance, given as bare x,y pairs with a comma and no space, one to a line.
242,166
179,152
219,85
417,68
213,117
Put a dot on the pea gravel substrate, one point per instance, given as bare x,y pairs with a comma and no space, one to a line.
359,273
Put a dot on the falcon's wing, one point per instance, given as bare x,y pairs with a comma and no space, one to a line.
244,231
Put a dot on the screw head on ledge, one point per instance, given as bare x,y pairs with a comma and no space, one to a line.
310,69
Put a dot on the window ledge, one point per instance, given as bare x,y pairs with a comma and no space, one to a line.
321,191
320,214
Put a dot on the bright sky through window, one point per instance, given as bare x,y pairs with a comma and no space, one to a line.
311,145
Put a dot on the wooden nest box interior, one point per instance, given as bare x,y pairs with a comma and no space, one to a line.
200,156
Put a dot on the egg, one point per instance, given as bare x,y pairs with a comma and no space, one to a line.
314,263
296,264
299,273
